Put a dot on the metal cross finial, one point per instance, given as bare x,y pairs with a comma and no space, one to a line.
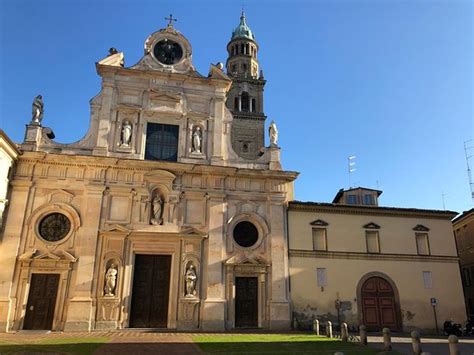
171,19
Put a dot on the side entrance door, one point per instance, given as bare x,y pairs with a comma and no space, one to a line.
41,302
150,293
378,305
246,302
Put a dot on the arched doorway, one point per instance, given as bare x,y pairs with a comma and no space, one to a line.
379,304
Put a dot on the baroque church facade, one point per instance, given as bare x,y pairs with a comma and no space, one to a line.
169,213
173,213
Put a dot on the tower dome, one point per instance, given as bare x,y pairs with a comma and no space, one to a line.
242,30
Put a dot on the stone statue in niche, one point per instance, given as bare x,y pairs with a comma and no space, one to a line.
197,140
273,133
126,135
37,110
190,279
110,280
157,210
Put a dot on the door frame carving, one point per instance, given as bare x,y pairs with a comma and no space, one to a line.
360,309
30,263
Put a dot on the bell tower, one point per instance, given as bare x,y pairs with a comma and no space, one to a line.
245,98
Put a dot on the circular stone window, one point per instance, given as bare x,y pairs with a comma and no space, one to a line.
245,234
54,227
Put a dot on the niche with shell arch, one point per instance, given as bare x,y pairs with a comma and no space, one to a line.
193,261
111,277
193,149
159,211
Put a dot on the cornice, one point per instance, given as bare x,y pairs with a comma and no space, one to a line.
369,210
299,253
144,166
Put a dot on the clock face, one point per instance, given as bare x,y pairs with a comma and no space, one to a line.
168,52
54,227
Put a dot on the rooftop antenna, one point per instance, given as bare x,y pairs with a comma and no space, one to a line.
468,152
351,167
443,197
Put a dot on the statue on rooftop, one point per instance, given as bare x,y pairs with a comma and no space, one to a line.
38,109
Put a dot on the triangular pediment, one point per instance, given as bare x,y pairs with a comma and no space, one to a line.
421,228
49,256
31,255
246,260
116,228
192,232
371,225
320,223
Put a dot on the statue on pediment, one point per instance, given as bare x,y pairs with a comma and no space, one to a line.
273,133
38,110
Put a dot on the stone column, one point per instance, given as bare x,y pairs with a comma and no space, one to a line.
250,104
218,130
240,103
279,304
81,312
213,272
9,247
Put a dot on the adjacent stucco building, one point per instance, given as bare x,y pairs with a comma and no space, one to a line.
463,227
358,262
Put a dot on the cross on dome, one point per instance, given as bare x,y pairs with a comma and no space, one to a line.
171,19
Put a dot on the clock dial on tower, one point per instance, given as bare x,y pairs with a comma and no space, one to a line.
168,52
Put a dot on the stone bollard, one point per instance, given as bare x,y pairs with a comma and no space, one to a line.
387,341
316,326
329,329
416,342
363,334
344,332
453,345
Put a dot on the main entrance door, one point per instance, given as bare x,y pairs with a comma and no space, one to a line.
246,302
41,301
150,293
378,305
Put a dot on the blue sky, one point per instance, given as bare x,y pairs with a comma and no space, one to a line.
388,81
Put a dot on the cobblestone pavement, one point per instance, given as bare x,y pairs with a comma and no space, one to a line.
434,346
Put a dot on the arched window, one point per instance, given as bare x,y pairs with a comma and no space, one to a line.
241,48
245,102
247,50
254,108
236,103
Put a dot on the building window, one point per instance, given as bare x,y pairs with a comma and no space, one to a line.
351,199
427,279
236,103
320,239
245,101
162,142
254,109
234,68
369,199
321,277
466,276
372,241
245,234
422,244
